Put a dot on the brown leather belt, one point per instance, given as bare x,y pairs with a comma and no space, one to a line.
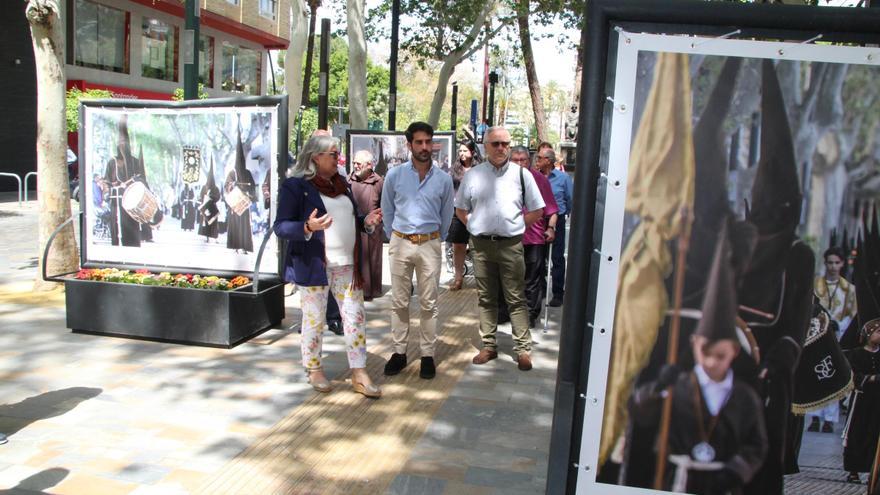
417,238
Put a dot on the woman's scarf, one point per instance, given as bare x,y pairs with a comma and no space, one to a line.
331,187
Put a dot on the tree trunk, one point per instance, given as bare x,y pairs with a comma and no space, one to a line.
310,51
525,40
453,59
293,80
357,65
53,191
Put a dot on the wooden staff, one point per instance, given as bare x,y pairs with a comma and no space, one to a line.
672,346
872,477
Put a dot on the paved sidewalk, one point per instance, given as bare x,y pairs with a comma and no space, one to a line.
95,415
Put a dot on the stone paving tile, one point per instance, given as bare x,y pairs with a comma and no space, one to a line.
494,477
416,485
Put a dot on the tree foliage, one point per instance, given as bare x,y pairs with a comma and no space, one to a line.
71,104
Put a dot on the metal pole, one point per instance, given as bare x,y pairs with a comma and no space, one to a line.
454,113
191,52
324,68
392,80
493,79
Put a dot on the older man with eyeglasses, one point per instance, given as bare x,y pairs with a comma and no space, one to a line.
366,187
562,187
497,202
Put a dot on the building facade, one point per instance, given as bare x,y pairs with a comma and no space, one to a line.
134,49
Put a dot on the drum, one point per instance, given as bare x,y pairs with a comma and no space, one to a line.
140,203
238,200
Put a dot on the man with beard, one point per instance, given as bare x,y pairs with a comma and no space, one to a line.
417,208
366,187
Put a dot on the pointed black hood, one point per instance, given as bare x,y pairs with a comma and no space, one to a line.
123,142
719,304
776,201
210,184
240,167
776,193
866,294
710,191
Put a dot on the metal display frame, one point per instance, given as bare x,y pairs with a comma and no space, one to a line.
587,320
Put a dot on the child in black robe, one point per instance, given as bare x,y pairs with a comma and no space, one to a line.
863,426
717,437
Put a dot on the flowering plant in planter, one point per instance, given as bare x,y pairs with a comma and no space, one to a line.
165,279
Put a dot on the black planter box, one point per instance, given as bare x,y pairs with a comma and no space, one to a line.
172,314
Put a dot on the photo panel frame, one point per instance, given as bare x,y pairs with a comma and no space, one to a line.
151,200
626,39
389,148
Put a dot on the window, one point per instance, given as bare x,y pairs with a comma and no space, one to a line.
233,2
159,50
206,61
241,69
101,37
267,8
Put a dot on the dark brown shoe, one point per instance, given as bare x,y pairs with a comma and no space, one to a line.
485,356
524,362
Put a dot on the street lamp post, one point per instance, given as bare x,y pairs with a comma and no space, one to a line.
454,111
493,80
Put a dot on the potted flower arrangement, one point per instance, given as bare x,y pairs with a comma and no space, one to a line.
188,308
164,279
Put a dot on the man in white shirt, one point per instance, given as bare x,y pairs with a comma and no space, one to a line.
490,202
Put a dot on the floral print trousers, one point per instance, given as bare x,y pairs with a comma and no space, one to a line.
351,308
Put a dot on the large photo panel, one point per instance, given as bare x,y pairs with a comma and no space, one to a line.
732,166
184,188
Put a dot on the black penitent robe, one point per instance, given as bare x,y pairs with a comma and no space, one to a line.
239,234
208,212
863,428
123,228
739,438
187,209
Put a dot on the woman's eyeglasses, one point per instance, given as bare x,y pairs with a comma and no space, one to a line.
334,154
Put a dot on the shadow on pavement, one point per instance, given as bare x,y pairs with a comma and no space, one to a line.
44,406
36,483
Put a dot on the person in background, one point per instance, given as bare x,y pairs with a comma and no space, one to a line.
536,239
458,234
837,295
366,186
318,216
562,188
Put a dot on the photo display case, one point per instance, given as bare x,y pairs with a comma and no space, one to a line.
388,148
723,148
180,188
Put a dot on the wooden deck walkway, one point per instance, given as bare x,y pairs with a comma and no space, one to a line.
342,442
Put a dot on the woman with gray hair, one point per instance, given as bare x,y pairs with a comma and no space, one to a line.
318,216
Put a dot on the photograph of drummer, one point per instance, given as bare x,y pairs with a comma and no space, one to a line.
716,440
121,171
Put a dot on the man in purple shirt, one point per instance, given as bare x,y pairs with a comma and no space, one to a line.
537,238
